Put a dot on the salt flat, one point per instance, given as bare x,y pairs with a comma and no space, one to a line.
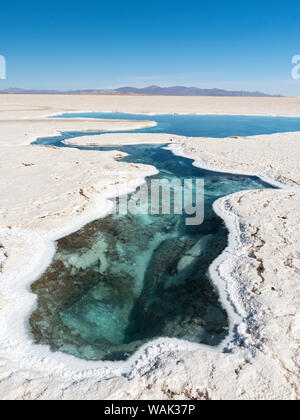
121,139
48,192
273,157
40,105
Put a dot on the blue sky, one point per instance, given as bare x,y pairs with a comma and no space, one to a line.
105,44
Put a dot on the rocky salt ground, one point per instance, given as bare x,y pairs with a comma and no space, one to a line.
258,276
273,157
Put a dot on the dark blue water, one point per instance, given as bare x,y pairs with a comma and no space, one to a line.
118,282
205,125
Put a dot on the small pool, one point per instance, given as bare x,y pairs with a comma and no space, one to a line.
110,287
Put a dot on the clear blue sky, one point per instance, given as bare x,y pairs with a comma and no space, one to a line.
102,44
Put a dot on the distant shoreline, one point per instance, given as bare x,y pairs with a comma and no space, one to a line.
147,91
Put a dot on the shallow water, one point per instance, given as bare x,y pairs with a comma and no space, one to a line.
124,280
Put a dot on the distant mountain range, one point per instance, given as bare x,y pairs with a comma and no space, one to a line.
150,90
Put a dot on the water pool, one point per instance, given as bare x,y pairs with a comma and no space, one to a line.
204,125
110,287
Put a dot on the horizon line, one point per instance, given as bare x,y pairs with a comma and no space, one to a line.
153,90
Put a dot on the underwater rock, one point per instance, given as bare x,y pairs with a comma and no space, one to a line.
163,261
187,263
169,309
